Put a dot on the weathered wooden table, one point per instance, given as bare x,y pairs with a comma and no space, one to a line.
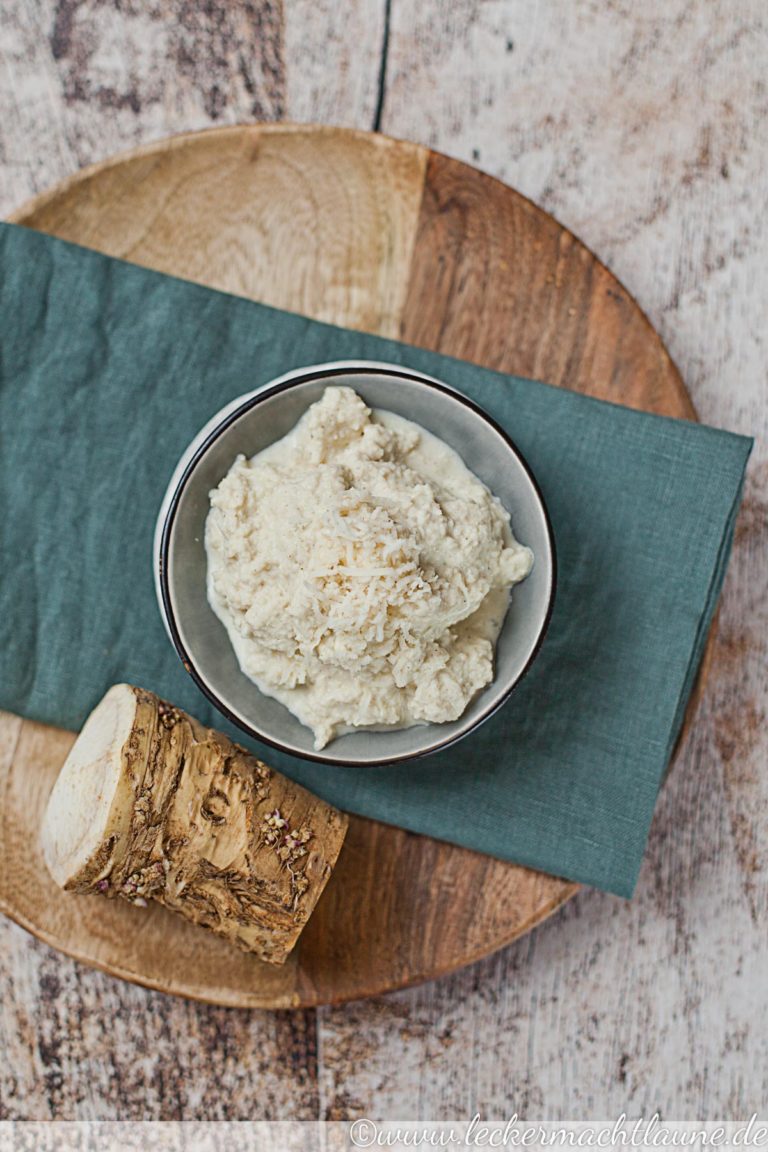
645,129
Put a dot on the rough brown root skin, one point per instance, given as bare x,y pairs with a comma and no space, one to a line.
165,809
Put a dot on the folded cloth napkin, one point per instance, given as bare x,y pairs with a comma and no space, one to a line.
106,372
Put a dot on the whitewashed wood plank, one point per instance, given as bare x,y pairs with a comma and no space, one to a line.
332,57
643,127
78,1045
80,81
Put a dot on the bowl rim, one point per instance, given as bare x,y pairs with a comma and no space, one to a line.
197,449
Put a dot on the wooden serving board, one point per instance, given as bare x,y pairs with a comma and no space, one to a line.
389,237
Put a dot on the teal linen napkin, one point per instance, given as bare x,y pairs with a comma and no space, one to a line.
106,372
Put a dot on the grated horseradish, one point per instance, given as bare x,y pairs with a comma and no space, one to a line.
361,570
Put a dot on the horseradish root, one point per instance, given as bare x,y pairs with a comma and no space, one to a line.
150,805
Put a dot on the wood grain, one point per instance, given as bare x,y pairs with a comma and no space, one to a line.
642,127
514,290
385,236
231,207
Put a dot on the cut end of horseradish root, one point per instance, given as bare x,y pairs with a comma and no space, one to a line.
89,810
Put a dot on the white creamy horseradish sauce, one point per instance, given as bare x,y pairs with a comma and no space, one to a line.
361,570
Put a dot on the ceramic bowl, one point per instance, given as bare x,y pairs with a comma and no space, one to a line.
256,420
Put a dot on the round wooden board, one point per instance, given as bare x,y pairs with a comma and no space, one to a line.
389,237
